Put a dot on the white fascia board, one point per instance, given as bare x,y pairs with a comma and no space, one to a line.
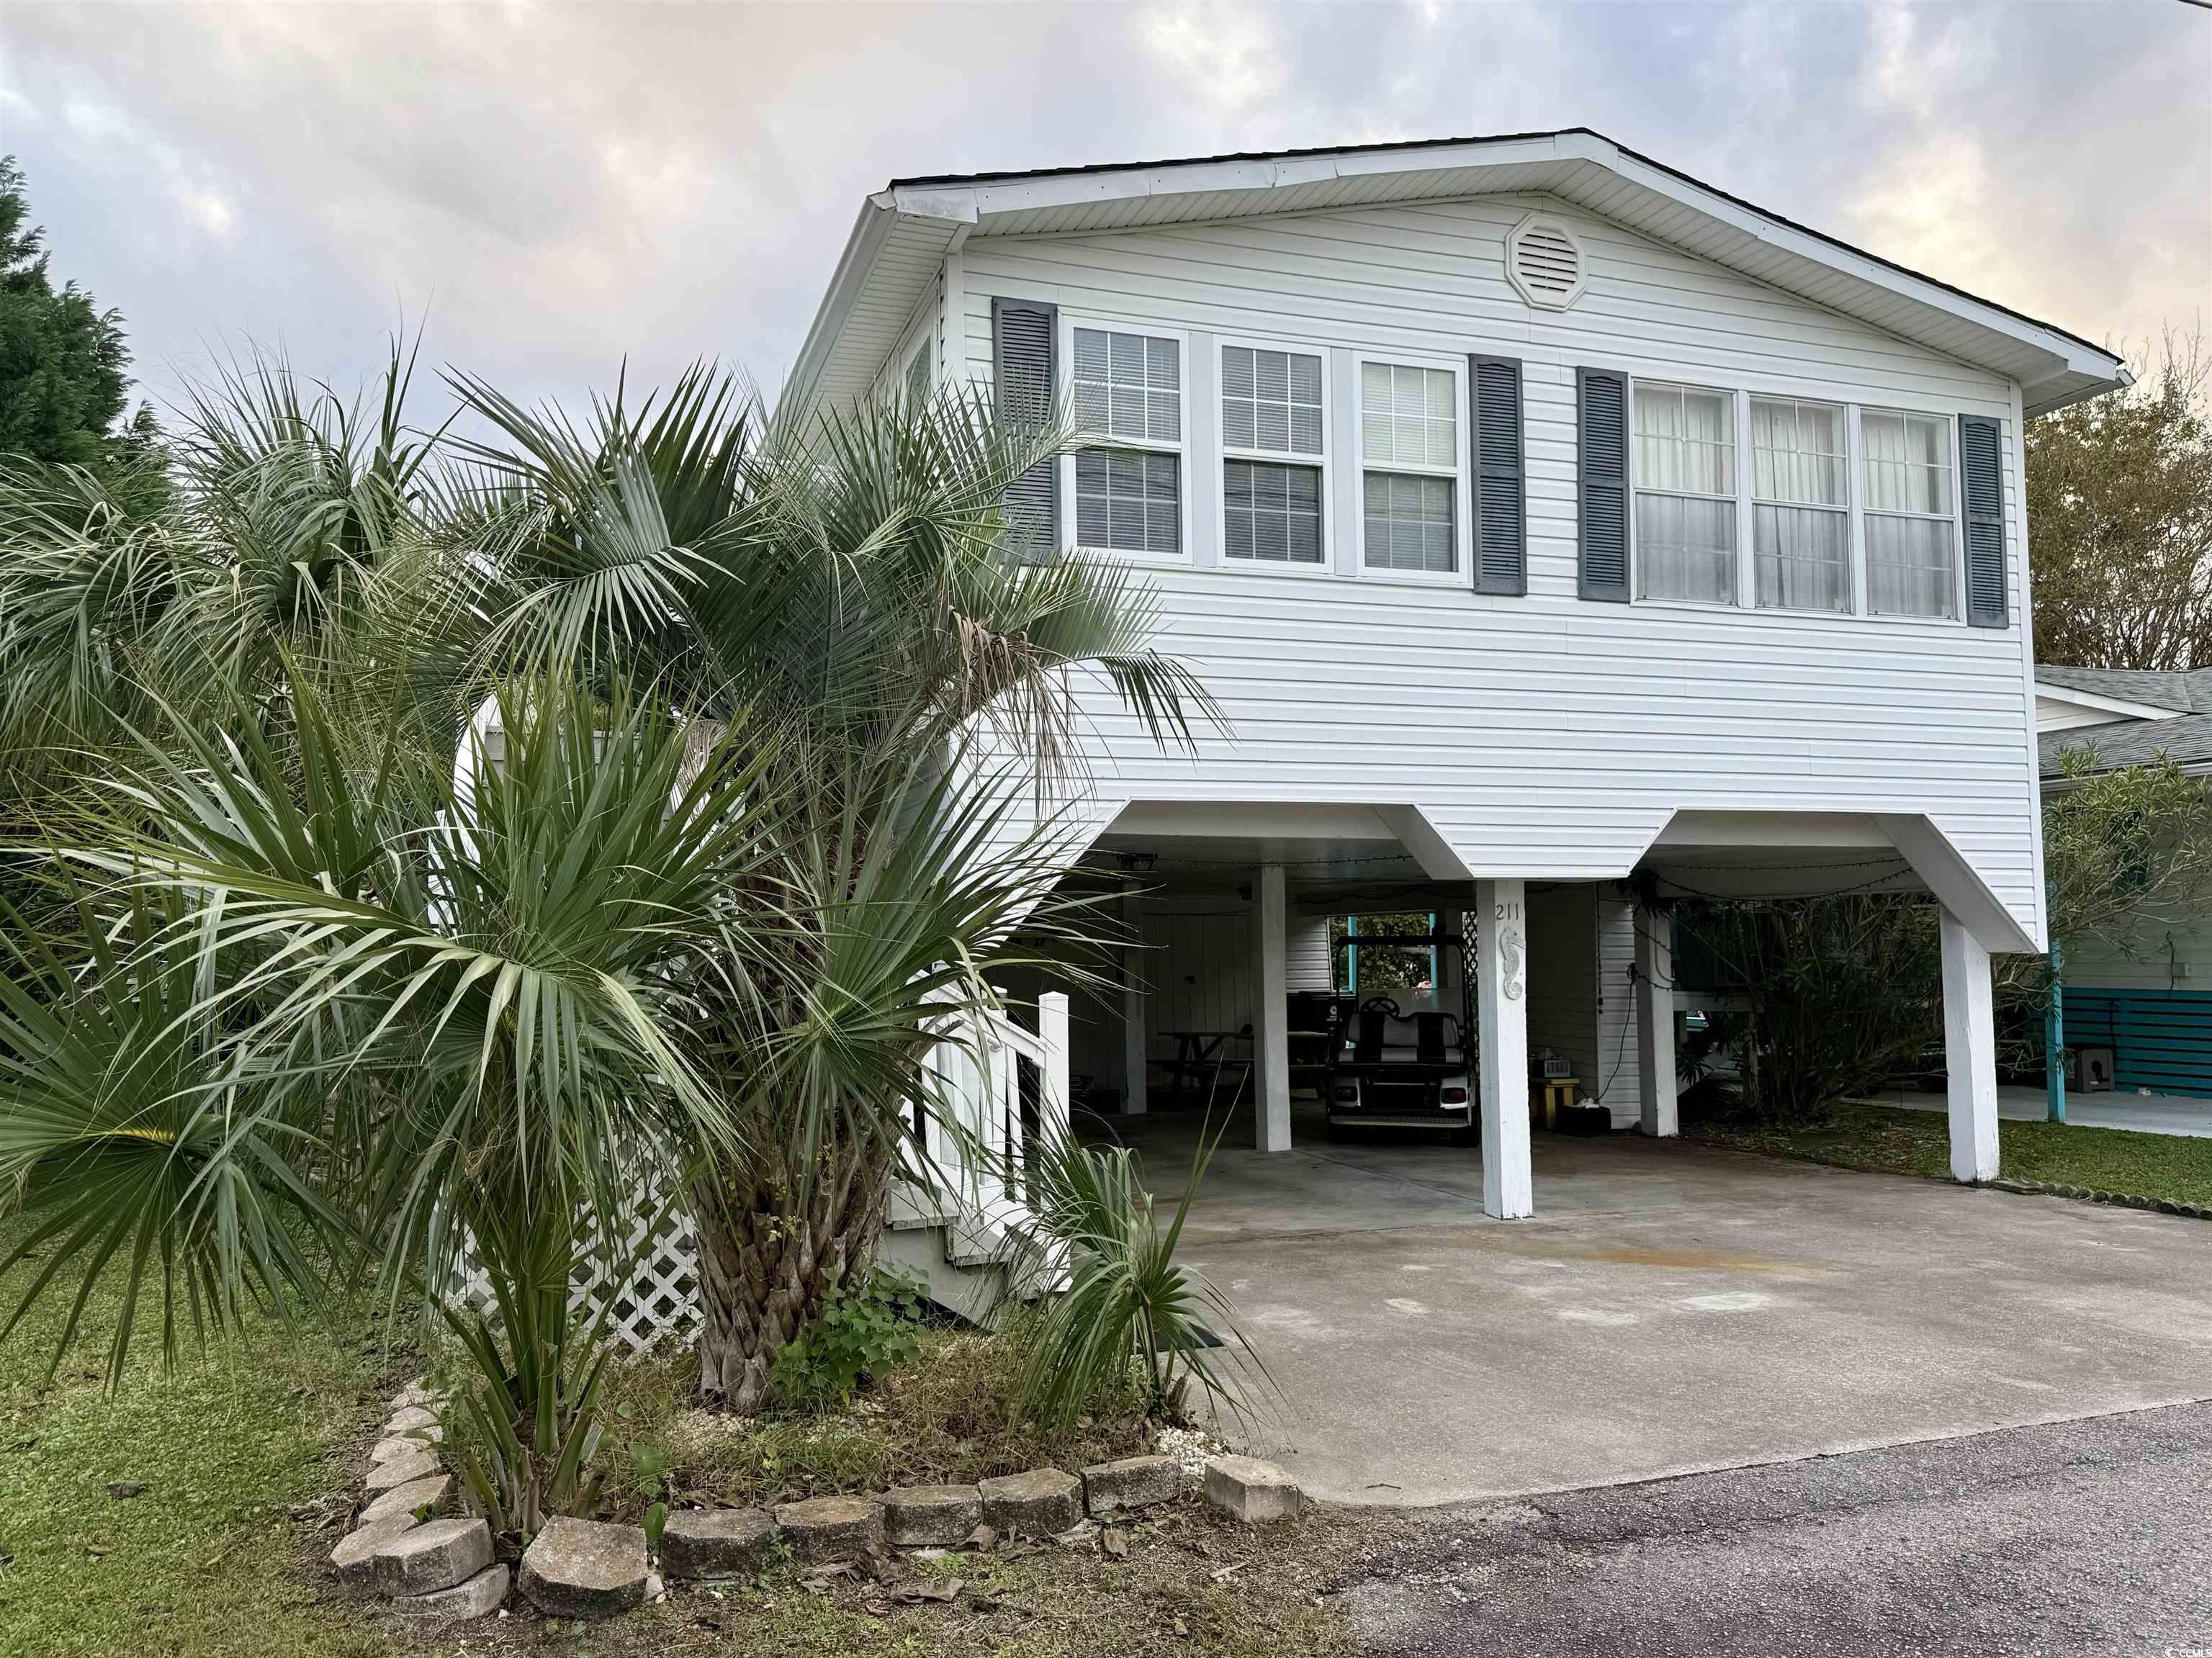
2111,705
2074,357
855,265
957,205
2076,371
1204,178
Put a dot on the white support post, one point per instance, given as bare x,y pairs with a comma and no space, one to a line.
1509,1187
1970,1053
1655,1021
1052,1080
1271,1022
1132,1005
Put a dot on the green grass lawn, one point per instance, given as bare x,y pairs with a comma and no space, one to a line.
206,1561
1903,1142
211,1563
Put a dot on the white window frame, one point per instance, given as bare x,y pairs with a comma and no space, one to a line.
1462,522
1064,345
1325,462
1748,486
1957,516
1739,403
923,352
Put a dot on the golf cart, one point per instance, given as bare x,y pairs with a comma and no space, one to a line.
1397,1066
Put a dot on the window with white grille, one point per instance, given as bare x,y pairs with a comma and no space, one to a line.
1127,388
1271,401
1409,454
1685,482
1272,416
1800,505
1271,513
1911,514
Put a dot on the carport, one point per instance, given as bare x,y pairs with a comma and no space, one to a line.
1224,901
1674,1309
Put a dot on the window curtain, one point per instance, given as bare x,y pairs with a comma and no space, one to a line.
1684,446
1908,464
1910,568
1800,536
1685,441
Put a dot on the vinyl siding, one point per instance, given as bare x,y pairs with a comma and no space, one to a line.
1543,737
1562,980
1309,966
1618,1071
2175,958
2054,713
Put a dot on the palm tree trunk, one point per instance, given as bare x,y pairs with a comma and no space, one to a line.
767,1268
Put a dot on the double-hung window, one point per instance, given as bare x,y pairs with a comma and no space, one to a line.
1800,505
1685,481
1273,453
1911,513
1409,456
1128,391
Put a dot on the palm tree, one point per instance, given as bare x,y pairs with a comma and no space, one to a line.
777,716
846,583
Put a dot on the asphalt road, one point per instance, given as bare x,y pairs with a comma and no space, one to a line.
2083,1537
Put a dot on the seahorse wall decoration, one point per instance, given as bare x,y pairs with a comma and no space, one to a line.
1508,961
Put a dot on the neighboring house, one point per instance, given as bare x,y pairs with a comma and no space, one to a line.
2153,1008
1559,535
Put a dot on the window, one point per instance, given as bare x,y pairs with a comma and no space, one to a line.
1128,388
1409,449
1271,407
1271,401
917,376
1685,482
1271,513
1800,515
1912,532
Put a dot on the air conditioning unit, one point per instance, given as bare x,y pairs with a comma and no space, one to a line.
2093,1070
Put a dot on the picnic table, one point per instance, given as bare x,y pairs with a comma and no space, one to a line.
1197,1056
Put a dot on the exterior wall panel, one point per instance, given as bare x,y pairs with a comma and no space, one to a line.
1544,736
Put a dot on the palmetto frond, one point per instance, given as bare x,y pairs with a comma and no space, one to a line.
495,1001
138,1133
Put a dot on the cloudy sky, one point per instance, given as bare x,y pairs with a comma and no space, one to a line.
553,189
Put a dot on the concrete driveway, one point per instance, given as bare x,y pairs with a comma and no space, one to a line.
1671,1309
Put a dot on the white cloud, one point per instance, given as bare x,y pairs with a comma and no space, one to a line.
559,188
1223,53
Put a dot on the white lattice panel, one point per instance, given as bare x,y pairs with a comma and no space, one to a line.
659,1297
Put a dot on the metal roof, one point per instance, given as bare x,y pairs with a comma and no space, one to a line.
905,230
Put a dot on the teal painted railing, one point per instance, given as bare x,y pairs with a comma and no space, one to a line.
2160,1040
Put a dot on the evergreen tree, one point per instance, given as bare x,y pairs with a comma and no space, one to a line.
62,384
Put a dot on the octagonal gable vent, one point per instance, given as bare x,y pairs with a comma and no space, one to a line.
1545,261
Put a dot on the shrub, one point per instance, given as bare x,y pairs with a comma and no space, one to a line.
1128,1315
862,1334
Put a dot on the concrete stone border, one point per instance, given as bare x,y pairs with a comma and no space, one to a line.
705,1545
439,1573
436,1573
2089,1195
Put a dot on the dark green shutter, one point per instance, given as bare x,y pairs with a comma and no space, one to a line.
1981,464
1601,472
1501,505
1022,338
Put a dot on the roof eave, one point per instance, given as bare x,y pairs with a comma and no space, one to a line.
2077,370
